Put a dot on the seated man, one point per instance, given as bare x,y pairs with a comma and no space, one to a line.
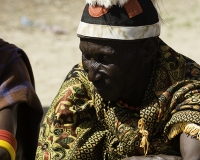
20,108
132,95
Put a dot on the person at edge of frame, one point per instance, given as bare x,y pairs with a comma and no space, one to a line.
20,108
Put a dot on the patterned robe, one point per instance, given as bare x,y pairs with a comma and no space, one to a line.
81,125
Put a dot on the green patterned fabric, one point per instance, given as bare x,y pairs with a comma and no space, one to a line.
81,125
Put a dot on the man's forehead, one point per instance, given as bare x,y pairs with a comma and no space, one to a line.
96,43
107,46
109,42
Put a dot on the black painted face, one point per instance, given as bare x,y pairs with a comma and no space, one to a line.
111,66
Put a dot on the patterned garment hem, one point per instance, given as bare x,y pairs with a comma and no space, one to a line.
189,128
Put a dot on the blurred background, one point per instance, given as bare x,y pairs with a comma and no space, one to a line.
46,31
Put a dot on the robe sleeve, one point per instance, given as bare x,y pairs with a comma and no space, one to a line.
185,114
66,120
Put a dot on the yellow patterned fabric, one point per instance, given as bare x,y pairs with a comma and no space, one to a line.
81,125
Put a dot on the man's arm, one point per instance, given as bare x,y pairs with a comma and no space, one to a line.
8,122
190,147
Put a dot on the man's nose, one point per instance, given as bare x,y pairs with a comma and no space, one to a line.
93,71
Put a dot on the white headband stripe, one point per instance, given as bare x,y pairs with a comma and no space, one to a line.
118,32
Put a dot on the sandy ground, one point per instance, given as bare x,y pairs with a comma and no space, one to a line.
46,31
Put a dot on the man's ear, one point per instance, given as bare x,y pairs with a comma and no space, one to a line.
149,49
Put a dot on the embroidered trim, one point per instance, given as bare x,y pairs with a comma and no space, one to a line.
190,128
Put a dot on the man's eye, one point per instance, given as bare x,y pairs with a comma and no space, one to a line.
85,56
105,59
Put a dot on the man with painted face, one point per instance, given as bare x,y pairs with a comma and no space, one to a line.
132,95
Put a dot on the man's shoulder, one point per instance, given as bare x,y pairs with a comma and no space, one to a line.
168,54
7,52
